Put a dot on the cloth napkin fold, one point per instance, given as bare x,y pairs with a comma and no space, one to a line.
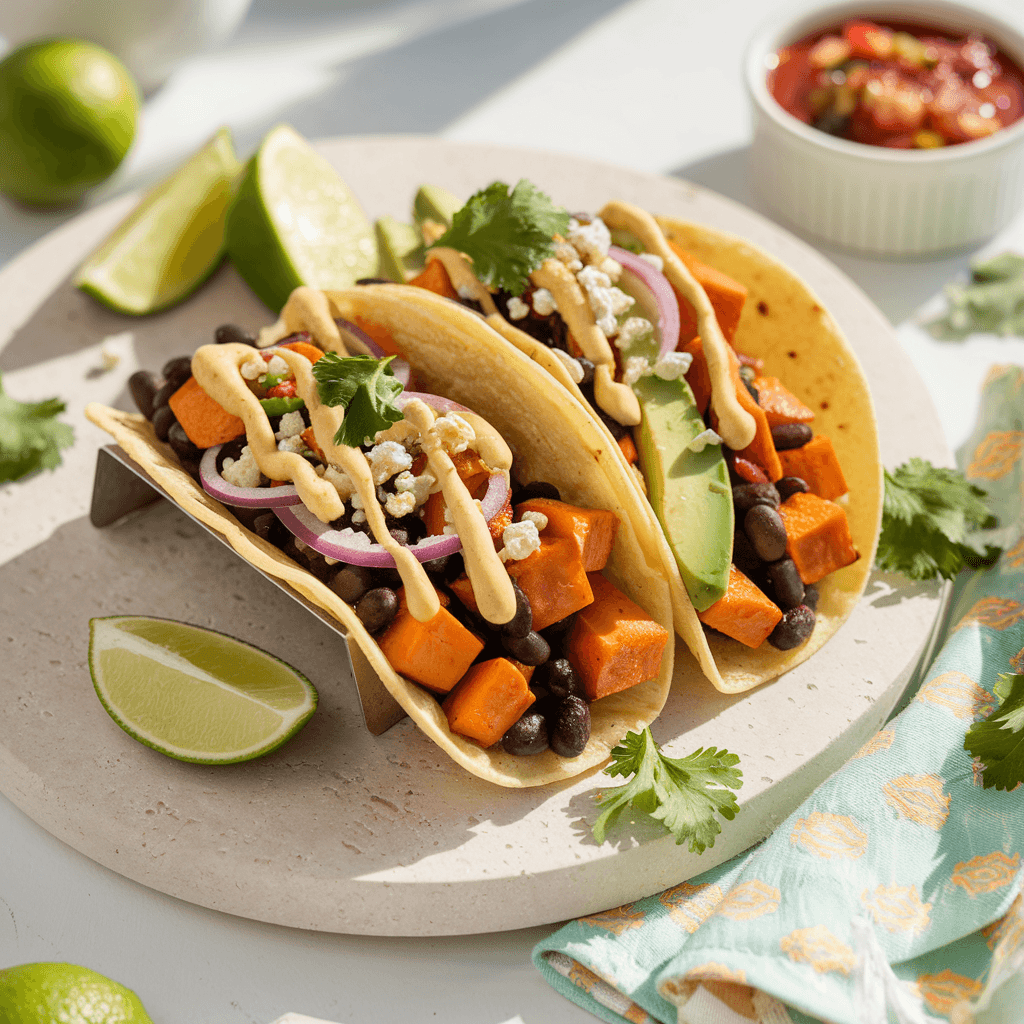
901,858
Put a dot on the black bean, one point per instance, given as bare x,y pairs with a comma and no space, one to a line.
754,393
183,447
376,608
522,622
269,527
790,485
561,679
811,596
744,557
747,374
143,387
232,334
163,394
558,632
794,629
569,727
319,567
531,649
766,531
248,516
178,369
387,576
746,496
163,418
538,489
351,582
374,280
791,435
786,583
588,370
528,736
437,566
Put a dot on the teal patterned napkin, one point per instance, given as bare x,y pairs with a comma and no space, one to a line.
901,858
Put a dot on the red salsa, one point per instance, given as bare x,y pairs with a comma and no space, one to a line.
898,85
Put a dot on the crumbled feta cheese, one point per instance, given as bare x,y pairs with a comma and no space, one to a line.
293,444
253,367
537,518
572,365
357,500
387,459
243,473
703,439
544,302
673,365
520,540
654,259
356,538
635,368
342,482
592,241
466,291
612,268
402,503
517,309
278,367
359,516
292,424
606,302
449,523
418,486
109,356
635,328
566,254
453,432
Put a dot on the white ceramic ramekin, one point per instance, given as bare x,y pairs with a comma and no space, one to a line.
884,202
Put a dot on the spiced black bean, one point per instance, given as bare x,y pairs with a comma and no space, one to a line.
791,435
744,557
790,485
766,532
232,334
795,628
522,622
528,736
351,582
143,387
746,496
163,418
569,727
177,370
183,447
588,370
786,583
557,633
538,489
748,374
376,608
561,679
268,526
811,596
531,649
163,394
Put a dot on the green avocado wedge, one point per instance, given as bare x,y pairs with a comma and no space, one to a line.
401,249
435,203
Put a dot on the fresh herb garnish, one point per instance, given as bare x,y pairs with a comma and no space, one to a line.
682,793
998,741
992,301
506,234
928,517
30,436
366,388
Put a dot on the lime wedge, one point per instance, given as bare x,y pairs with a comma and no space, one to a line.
295,222
172,241
194,694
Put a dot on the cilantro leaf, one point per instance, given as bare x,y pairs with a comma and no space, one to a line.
992,301
30,436
366,388
929,516
681,792
998,741
506,234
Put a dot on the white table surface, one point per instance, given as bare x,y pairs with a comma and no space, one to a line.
650,84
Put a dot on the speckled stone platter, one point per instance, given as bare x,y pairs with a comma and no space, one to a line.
340,830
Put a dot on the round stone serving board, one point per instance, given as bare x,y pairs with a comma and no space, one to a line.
341,831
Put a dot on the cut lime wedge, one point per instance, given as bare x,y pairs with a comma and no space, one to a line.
194,694
172,241
295,222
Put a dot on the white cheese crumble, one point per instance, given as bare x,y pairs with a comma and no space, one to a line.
402,503
252,368
356,538
654,259
341,480
453,432
592,241
418,486
517,309
386,459
109,356
292,424
292,444
357,500
466,291
673,365
566,254
606,302
359,516
612,268
544,302
278,367
244,472
703,439
537,518
571,365
635,328
635,368
520,540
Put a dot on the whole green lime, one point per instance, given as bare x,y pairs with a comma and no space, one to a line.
46,993
67,117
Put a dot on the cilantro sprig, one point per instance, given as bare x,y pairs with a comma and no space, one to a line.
366,388
30,436
992,301
998,740
928,517
683,793
506,234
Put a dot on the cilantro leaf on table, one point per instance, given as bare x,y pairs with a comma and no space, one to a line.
681,792
998,741
366,388
928,517
992,301
30,436
506,234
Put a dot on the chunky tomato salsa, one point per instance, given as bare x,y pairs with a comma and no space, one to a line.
898,85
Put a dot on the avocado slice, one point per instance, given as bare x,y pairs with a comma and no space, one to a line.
400,248
435,203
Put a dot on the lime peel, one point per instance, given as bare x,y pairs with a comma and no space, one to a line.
32,993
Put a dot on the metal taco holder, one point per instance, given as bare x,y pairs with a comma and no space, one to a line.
121,486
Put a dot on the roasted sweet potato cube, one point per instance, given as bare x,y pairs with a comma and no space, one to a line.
553,579
614,643
698,376
725,293
592,529
761,450
817,536
744,612
205,421
487,700
816,464
780,405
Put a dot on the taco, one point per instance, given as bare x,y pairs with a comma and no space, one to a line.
743,428
424,521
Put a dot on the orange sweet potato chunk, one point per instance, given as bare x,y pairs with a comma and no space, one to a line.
592,529
435,654
488,699
628,448
744,612
614,643
725,293
205,421
697,376
780,405
435,279
380,334
762,449
311,352
816,463
553,579
817,536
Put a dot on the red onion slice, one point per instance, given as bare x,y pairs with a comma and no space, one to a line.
244,497
654,293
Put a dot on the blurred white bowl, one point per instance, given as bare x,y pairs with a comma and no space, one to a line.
885,202
150,36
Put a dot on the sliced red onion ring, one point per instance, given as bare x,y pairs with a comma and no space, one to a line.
358,341
244,497
654,293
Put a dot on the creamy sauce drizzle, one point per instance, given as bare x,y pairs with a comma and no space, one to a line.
306,310
460,273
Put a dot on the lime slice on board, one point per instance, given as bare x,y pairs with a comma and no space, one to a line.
45,992
172,241
295,222
194,694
